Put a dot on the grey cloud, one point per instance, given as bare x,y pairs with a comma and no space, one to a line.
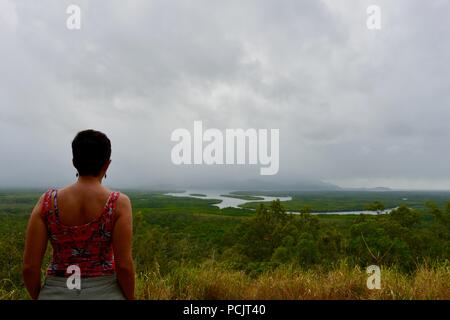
353,106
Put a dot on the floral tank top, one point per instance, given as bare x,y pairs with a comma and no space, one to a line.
88,246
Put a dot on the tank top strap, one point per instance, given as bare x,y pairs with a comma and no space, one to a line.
47,203
112,202
55,206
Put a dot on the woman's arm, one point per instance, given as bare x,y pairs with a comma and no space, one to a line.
35,246
122,241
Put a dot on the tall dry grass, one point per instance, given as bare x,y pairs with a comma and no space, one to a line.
211,281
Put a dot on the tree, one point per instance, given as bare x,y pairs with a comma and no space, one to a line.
375,206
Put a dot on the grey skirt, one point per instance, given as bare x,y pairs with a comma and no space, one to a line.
97,288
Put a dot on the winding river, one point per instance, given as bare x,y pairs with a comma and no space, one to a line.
227,202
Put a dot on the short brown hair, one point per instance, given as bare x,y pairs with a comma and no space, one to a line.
91,150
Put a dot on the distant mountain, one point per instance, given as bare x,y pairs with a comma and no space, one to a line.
262,185
368,189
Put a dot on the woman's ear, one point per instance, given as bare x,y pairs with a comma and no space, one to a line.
106,165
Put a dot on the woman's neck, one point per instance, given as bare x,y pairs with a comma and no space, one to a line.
89,180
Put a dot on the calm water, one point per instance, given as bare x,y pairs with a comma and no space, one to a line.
227,202
351,212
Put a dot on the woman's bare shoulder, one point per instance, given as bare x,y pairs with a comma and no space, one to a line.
124,198
123,203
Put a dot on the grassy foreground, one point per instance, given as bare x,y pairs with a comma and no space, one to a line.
213,282
185,249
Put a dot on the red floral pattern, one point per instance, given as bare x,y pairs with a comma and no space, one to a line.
88,246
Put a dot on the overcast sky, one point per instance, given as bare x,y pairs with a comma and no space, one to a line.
355,107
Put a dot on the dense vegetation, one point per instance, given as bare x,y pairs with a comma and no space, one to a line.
323,201
186,248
